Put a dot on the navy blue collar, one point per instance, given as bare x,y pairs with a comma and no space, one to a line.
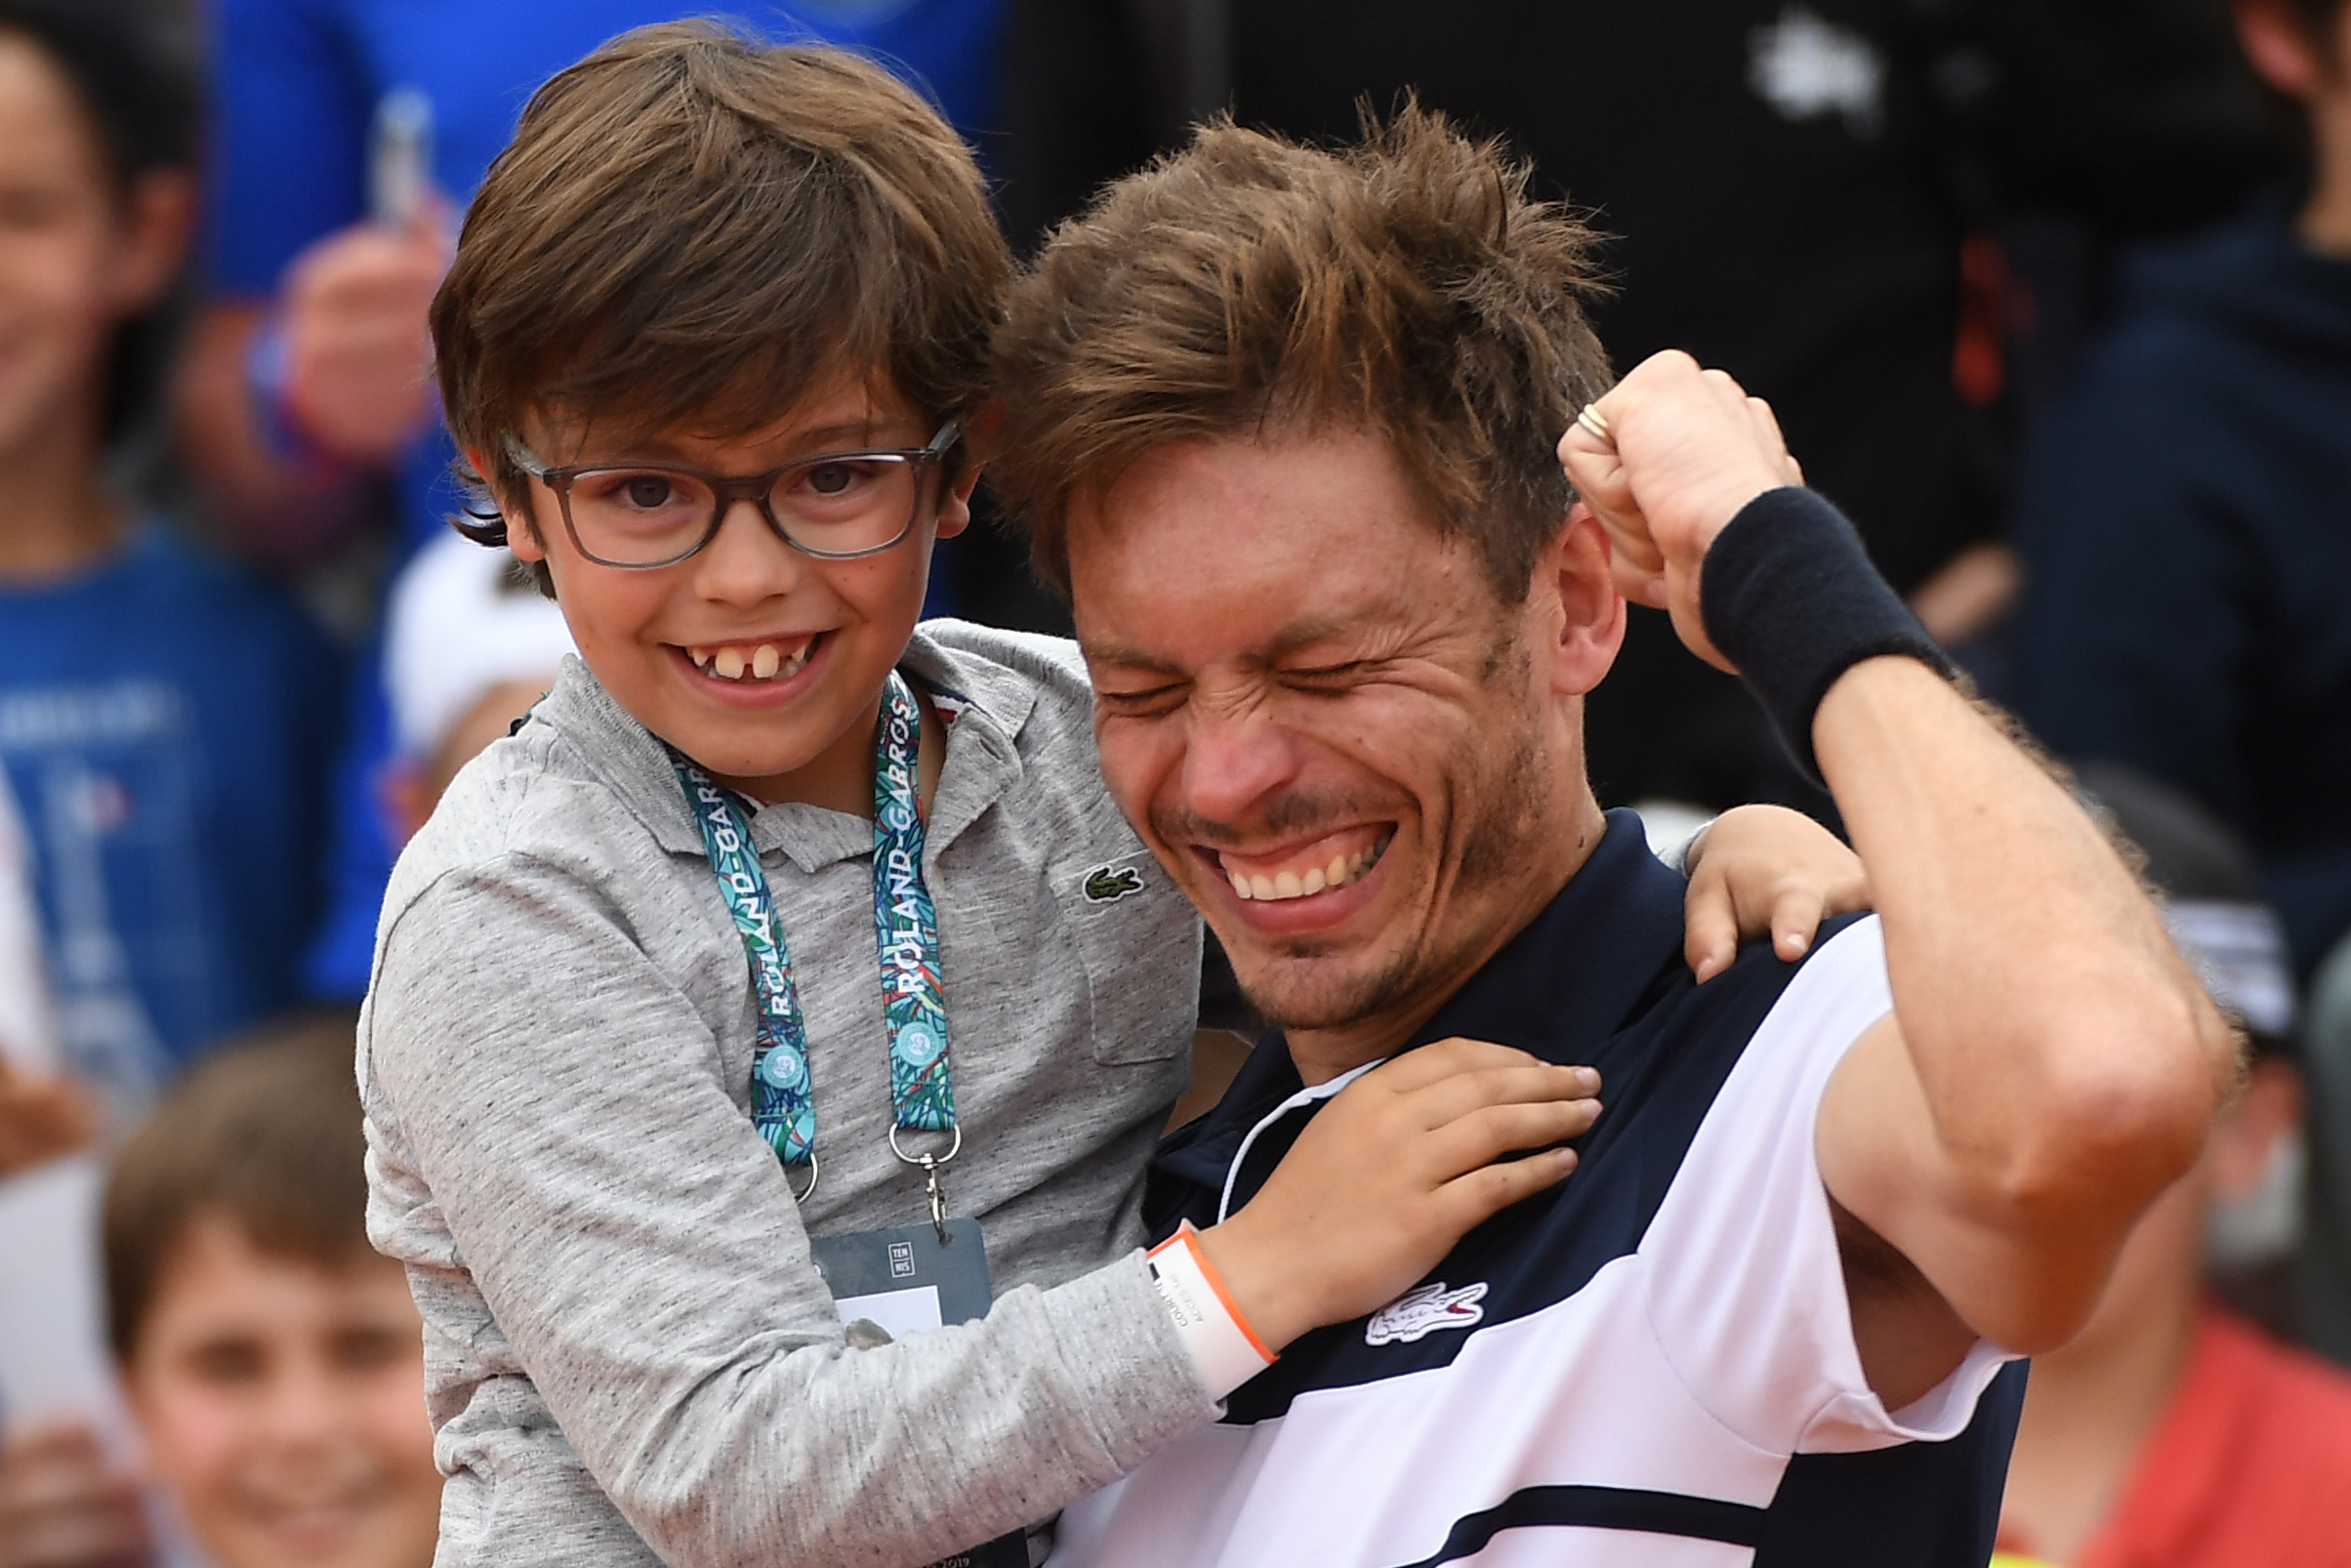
1570,978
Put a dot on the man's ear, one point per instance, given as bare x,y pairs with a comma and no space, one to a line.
1580,602
2279,50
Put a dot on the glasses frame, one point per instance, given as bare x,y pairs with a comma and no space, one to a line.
731,489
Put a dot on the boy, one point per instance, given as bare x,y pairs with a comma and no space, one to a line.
468,644
163,721
271,1359
707,273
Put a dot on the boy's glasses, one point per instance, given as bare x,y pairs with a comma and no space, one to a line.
836,504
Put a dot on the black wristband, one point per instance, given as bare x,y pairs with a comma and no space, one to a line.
1790,596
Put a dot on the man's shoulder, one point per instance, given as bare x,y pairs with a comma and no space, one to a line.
1762,1015
1737,1061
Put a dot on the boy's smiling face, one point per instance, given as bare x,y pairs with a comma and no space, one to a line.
823,633
283,1401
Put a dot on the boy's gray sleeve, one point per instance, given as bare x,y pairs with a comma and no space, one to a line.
560,1104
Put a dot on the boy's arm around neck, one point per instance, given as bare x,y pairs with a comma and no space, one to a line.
553,1132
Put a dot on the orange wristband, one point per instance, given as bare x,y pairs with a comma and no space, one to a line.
1225,1349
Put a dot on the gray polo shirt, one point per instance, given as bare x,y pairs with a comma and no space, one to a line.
624,1334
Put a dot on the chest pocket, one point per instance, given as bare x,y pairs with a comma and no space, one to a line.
1139,939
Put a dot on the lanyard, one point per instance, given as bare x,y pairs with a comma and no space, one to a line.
922,1095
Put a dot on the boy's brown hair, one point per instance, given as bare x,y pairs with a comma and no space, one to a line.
265,1131
690,227
1249,285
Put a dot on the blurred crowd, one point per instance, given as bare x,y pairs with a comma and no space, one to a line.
2053,297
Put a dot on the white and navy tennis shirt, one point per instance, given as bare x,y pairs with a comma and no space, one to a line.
1650,1365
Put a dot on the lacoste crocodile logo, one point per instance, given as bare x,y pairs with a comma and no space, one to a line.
1107,884
1416,1315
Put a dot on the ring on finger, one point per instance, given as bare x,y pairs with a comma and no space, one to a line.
1593,420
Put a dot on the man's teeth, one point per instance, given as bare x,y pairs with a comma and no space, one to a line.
764,661
1342,870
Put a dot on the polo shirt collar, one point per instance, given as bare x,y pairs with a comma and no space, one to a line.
1571,977
985,706
1562,985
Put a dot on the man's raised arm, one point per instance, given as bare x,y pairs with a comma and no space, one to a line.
2050,1065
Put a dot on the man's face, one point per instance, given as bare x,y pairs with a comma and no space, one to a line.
793,648
283,1403
1329,728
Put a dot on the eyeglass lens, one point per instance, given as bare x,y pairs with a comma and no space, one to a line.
834,506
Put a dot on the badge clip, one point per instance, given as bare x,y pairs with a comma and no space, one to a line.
932,1186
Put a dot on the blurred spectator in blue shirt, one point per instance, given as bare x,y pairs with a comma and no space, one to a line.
305,383
163,720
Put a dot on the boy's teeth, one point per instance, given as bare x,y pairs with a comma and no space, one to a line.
764,661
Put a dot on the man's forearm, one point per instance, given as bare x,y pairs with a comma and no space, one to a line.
2050,1065
2067,1060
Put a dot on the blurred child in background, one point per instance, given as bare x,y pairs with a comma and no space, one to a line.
41,1113
163,720
470,643
274,1360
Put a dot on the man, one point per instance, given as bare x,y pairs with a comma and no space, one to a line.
1283,422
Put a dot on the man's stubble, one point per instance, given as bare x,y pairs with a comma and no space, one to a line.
1489,824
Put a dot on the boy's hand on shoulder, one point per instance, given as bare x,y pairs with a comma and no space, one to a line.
1390,1174
62,1505
1760,871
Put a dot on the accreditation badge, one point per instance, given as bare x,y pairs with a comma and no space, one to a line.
889,1284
